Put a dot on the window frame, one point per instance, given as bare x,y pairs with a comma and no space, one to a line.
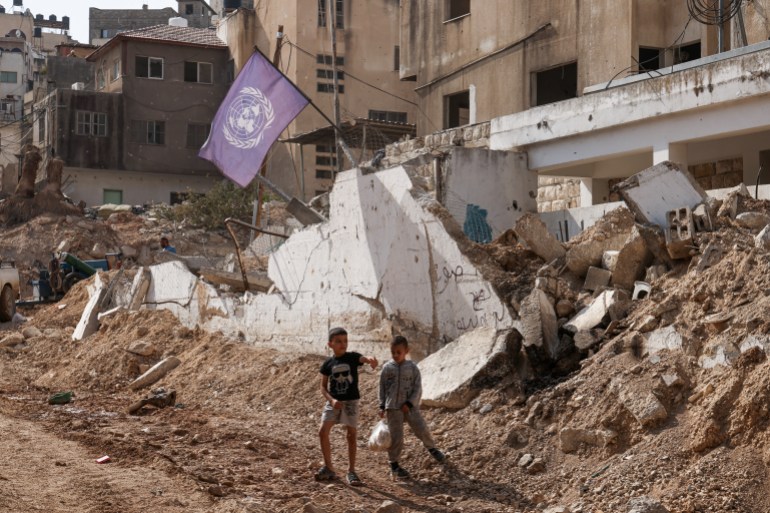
148,69
193,137
9,73
451,6
198,66
90,123
115,71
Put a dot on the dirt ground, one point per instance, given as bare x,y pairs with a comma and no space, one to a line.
242,436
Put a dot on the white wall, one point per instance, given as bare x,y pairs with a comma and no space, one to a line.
138,188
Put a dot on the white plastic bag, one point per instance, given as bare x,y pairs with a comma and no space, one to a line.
379,440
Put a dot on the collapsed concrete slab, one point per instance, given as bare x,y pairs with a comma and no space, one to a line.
632,261
610,233
651,193
453,375
535,233
609,302
89,321
667,338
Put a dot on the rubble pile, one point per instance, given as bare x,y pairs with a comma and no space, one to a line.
634,378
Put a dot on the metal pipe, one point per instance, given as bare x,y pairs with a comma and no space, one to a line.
721,28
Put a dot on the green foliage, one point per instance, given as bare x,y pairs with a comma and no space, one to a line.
210,210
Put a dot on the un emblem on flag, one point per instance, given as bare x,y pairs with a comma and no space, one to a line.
248,116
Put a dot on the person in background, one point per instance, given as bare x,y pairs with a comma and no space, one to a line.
165,246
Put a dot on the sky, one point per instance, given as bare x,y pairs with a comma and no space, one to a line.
77,10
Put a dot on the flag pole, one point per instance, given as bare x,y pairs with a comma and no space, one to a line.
310,102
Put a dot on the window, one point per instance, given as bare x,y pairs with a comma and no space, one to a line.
41,126
555,84
201,72
457,8
323,174
91,123
321,160
100,79
107,33
686,53
230,71
329,88
189,9
325,160
396,58
8,77
387,115
197,133
115,72
327,73
148,132
149,67
649,59
113,196
339,19
327,59
457,109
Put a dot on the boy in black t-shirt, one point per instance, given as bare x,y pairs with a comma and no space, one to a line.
339,386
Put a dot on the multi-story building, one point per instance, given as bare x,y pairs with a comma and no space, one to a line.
198,13
135,137
367,63
597,90
104,24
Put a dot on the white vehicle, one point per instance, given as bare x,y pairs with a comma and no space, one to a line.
9,290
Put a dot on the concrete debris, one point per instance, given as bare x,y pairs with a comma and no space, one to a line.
258,282
751,341
710,256
534,232
389,507
610,259
703,215
651,193
525,460
89,322
597,278
729,207
645,504
609,302
142,348
667,338
646,408
672,380
679,232
539,324
752,220
762,240
14,339
564,308
31,332
609,234
451,375
155,372
585,340
642,289
632,260
655,272
159,398
571,438
722,355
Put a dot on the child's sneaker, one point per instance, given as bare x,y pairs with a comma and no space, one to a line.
437,455
399,473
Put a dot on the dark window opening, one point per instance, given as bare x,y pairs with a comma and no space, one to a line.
387,115
189,9
555,84
457,8
197,133
649,59
327,73
230,71
323,174
686,53
327,59
396,58
457,109
329,88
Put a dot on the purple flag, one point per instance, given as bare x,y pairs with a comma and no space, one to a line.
260,105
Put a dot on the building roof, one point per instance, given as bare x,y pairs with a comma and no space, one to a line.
166,34
375,134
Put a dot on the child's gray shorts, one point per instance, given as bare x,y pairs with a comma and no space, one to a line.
347,415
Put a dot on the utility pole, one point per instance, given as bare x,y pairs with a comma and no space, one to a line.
332,13
257,217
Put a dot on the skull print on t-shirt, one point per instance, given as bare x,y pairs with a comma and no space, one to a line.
343,376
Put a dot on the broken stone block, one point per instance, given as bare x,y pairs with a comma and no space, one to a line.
593,315
539,325
534,232
608,234
141,348
646,324
646,408
723,355
389,507
704,214
597,278
654,273
139,288
537,466
633,258
762,240
564,307
31,332
679,233
547,285
763,342
155,372
645,504
651,193
129,251
609,259
667,338
89,322
585,340
710,256
451,376
752,220
525,460
729,206
11,340
672,380
571,438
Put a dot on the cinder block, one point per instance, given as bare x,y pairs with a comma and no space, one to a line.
596,278
679,232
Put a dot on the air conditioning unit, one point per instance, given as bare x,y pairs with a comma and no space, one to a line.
78,86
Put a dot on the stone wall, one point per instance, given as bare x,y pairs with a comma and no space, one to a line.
473,136
720,174
557,193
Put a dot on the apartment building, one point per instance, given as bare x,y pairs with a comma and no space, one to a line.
367,64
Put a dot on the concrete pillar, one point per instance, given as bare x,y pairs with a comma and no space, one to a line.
472,104
674,152
586,192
